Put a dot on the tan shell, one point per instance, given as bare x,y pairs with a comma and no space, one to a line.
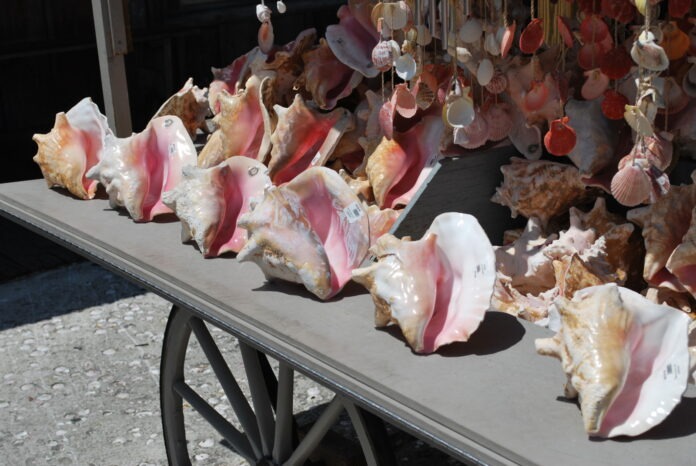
190,104
527,184
380,221
681,301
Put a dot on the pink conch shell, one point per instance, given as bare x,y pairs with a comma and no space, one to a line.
665,224
230,78
596,137
312,230
353,39
615,347
596,83
326,78
398,167
631,185
245,125
647,54
499,121
436,289
526,186
473,135
381,221
73,147
304,137
532,36
208,201
138,169
190,104
682,262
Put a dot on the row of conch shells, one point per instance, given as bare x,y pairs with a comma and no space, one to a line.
625,358
436,289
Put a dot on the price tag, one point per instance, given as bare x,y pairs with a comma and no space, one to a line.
353,212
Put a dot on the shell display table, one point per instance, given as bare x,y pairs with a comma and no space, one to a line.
489,401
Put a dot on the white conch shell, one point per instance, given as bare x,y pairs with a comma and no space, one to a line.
138,169
208,201
73,147
436,289
190,104
625,357
312,230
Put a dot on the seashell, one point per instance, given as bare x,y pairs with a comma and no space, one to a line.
138,169
631,185
473,135
676,300
72,148
593,29
637,120
647,54
266,37
485,71
459,111
689,81
395,14
536,97
263,13
405,67
230,78
526,185
208,201
281,7
560,139
675,42
614,104
190,104
437,289
470,31
498,83
675,99
326,78
424,37
245,125
526,138
682,261
403,101
463,55
380,221
565,31
425,90
657,149
383,55
596,83
353,39
304,137
491,44
616,63
678,8
312,230
532,36
622,11
508,39
664,224
615,347
498,120
399,166
590,55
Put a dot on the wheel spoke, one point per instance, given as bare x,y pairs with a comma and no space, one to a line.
282,445
229,384
238,440
316,433
259,396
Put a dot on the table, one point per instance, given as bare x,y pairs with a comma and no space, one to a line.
491,400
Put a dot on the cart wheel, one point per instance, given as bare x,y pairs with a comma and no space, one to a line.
269,433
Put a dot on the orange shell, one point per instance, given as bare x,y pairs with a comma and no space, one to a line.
675,42
532,37
593,29
561,138
614,104
616,63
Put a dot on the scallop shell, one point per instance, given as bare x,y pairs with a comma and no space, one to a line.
138,169
208,201
532,36
614,104
484,72
508,39
405,67
593,29
190,104
616,63
647,54
383,55
499,121
72,148
459,111
353,39
596,83
404,101
615,348
590,55
473,135
437,289
561,138
498,83
312,230
631,185
395,14
470,31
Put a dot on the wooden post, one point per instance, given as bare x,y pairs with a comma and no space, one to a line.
112,45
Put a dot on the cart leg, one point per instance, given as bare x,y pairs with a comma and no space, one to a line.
269,431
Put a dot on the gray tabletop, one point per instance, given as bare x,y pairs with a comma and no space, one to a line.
491,400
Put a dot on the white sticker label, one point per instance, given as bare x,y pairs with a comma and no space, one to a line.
481,269
353,212
172,148
671,372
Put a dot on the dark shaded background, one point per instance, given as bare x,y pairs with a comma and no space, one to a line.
48,58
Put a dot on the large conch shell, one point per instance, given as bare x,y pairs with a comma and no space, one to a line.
312,230
527,184
208,201
190,104
353,39
596,137
436,289
626,358
138,169
304,137
73,147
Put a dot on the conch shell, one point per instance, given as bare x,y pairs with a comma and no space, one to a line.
596,137
138,169
313,230
72,148
353,39
208,201
436,289
190,104
626,358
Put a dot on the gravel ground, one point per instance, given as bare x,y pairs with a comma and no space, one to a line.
79,369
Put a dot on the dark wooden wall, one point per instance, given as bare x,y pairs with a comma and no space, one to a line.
48,58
